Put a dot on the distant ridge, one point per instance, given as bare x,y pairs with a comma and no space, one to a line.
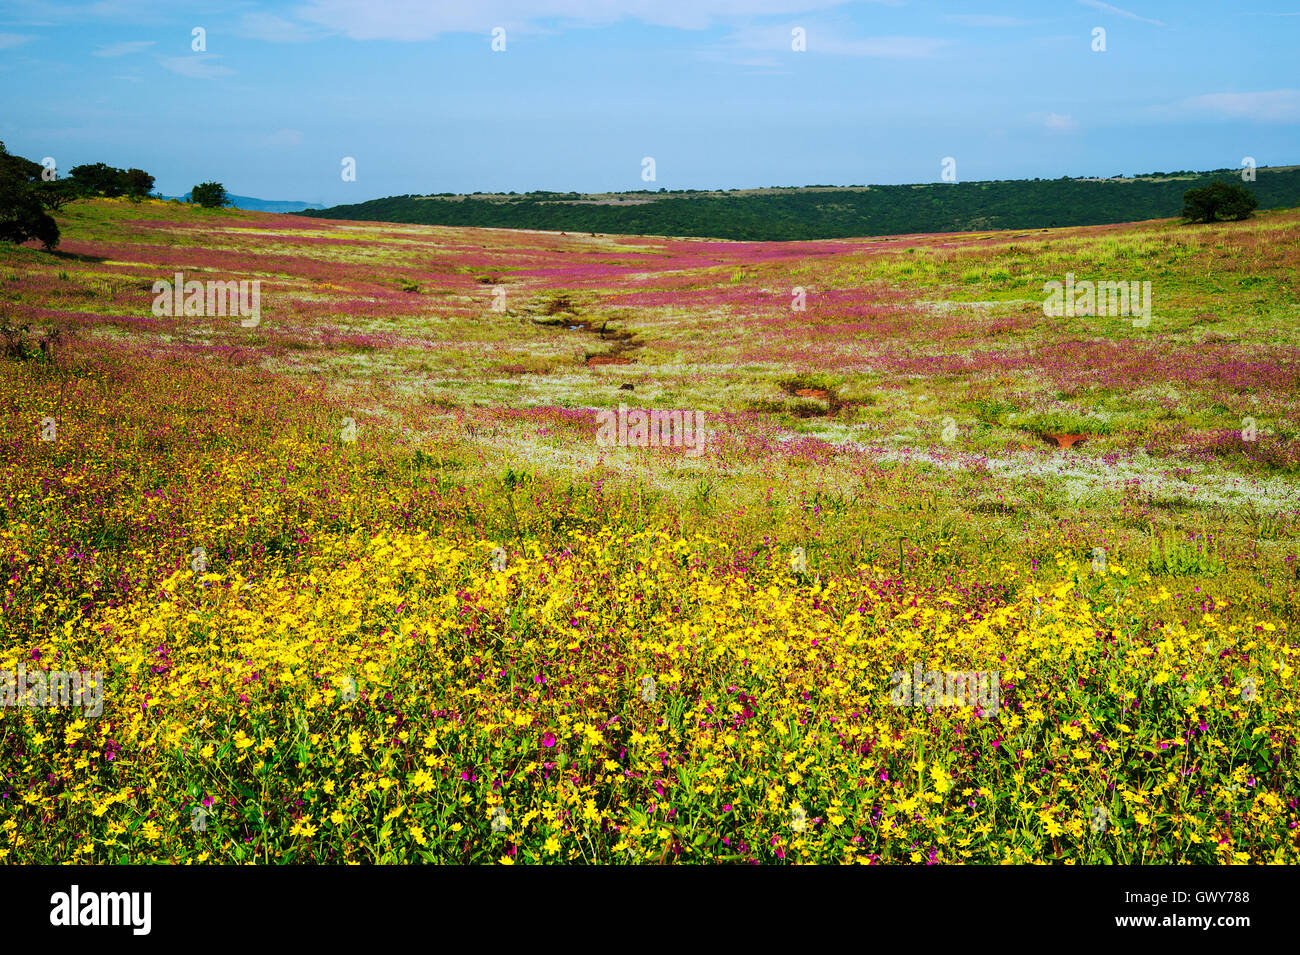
262,205
829,212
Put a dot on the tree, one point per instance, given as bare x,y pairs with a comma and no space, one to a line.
22,216
210,195
1218,200
24,198
138,182
56,194
99,179
16,167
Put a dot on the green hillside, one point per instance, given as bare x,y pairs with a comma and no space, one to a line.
823,212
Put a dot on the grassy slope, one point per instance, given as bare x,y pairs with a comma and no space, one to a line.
477,425
907,333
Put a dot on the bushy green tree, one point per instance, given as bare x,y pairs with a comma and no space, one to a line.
16,167
210,195
24,199
22,216
1218,200
54,194
138,182
99,179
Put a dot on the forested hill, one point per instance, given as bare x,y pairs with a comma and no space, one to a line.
822,212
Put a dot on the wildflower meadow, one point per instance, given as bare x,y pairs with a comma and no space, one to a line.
402,543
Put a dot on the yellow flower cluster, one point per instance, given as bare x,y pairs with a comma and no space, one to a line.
407,698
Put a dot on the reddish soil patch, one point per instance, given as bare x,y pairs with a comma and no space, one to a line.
619,341
1065,440
833,403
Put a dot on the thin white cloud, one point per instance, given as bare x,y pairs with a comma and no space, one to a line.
422,19
276,29
1268,106
986,20
831,40
124,49
1060,122
10,40
1107,8
198,66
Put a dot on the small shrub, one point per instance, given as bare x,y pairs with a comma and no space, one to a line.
1176,558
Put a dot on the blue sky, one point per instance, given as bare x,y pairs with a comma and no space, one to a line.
711,89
